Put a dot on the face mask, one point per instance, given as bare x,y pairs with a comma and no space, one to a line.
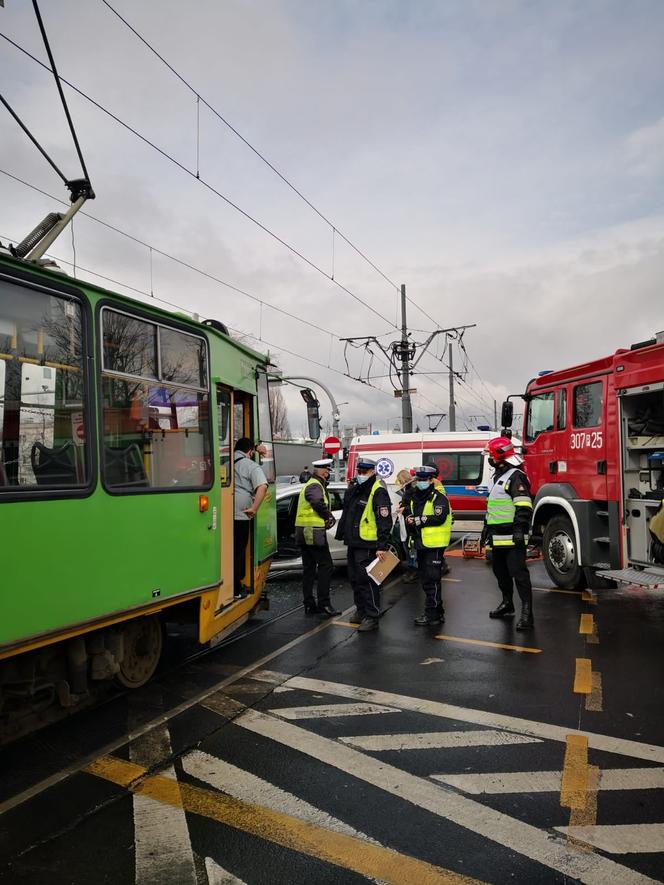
422,485
362,478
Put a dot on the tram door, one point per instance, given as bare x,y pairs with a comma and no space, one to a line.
234,421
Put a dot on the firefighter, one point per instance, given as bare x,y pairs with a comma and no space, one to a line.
312,520
430,523
365,527
508,512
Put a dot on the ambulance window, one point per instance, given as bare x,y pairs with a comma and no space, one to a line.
588,404
540,416
456,468
561,418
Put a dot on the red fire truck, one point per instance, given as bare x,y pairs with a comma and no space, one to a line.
593,442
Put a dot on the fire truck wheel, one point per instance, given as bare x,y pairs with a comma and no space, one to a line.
561,557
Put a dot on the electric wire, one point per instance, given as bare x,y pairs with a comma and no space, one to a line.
205,184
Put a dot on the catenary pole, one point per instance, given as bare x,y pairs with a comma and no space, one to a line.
406,408
452,409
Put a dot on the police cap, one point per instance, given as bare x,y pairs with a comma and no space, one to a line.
323,463
366,464
426,471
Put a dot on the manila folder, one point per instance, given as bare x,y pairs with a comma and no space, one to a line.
378,570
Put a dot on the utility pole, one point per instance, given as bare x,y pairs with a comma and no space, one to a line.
452,411
495,415
406,408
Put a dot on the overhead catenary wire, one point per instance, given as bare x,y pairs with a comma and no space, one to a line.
170,158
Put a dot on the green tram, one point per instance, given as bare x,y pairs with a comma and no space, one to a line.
116,485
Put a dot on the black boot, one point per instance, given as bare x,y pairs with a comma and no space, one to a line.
311,608
328,610
526,621
357,617
428,620
504,610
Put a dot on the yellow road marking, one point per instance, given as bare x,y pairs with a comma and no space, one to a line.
588,596
453,580
345,624
595,700
587,624
533,651
348,852
574,783
583,676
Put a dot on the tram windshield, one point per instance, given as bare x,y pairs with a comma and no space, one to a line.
43,439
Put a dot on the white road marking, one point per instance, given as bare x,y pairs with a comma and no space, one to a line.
218,875
327,711
162,846
428,661
606,743
436,740
620,838
538,845
550,781
249,788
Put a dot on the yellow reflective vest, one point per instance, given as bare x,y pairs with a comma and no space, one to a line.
306,515
434,535
368,524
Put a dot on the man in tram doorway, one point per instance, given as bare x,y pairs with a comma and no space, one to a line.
429,522
312,521
508,513
365,527
250,491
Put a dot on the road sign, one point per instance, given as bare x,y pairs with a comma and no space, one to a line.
78,428
332,445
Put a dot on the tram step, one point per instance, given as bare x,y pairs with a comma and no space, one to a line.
602,540
602,512
639,577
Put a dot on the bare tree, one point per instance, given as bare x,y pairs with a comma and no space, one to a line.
280,426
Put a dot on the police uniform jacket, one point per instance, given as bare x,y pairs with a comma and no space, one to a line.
441,510
315,495
355,500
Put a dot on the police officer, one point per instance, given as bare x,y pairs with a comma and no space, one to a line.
430,523
312,521
365,527
508,512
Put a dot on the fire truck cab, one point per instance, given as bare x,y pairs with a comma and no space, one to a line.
593,444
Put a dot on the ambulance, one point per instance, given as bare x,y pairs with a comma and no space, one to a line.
462,466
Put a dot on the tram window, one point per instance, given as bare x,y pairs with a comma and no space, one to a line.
265,427
224,425
588,404
130,345
43,440
183,358
540,416
156,432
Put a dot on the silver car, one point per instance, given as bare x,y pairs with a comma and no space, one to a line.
288,557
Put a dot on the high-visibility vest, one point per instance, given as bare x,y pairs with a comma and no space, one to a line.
501,509
306,515
434,535
368,524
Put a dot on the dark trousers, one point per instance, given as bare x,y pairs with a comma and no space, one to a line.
366,594
241,539
509,566
316,559
430,565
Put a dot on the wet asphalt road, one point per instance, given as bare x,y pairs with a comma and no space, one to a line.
405,755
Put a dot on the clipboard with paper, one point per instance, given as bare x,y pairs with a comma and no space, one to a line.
378,570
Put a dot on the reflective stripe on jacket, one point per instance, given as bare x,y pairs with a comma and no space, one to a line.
501,510
306,515
434,535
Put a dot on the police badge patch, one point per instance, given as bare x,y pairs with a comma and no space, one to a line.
438,510
384,511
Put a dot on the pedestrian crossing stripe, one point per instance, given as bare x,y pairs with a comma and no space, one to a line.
505,782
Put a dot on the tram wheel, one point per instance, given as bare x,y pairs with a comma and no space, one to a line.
143,640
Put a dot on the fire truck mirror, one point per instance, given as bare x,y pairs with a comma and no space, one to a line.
507,413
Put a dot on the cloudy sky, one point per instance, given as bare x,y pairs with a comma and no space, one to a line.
502,158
